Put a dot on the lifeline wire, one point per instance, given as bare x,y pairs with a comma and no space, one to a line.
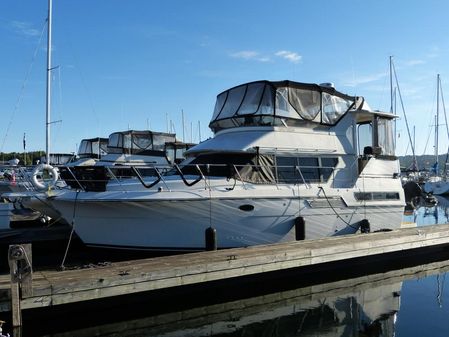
22,89
338,215
71,233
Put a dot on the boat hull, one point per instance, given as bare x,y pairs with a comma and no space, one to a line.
239,222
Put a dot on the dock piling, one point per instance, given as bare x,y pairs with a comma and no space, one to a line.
300,228
365,226
20,266
211,238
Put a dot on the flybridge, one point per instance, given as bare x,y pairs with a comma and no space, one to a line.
265,103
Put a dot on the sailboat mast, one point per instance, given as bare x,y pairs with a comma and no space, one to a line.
391,85
436,124
48,101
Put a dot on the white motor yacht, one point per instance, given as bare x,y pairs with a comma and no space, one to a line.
141,148
283,153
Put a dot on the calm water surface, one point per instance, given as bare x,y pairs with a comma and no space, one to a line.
412,301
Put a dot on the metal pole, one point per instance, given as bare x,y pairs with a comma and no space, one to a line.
183,126
391,85
48,102
436,124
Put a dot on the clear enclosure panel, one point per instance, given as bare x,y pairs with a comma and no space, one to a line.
233,102
142,141
307,103
115,143
365,136
252,99
160,140
283,106
85,147
334,107
385,129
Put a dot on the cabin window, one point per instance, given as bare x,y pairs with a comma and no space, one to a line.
369,196
327,167
309,168
334,107
287,171
247,167
385,132
293,170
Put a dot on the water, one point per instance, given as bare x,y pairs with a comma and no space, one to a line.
411,300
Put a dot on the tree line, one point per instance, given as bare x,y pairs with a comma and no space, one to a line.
28,158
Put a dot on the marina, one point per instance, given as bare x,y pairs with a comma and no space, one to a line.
200,172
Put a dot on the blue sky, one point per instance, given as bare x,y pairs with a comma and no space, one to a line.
127,64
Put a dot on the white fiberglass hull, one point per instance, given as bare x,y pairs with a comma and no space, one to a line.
178,220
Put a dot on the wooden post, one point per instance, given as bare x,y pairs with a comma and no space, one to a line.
20,266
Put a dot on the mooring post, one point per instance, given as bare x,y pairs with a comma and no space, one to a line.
211,238
300,228
20,266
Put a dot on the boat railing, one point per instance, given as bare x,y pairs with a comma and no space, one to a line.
18,177
96,178
258,174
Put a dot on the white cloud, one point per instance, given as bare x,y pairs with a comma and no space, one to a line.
256,56
289,55
365,79
250,55
414,62
24,28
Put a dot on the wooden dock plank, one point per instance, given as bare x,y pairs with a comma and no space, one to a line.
61,287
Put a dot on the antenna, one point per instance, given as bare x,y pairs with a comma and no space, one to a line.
199,131
166,121
183,126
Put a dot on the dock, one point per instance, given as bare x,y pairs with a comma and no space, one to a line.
52,288
232,315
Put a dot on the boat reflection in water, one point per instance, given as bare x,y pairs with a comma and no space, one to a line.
433,214
362,306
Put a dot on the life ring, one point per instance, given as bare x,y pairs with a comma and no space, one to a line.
44,184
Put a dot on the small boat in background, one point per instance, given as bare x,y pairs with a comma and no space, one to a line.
90,151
